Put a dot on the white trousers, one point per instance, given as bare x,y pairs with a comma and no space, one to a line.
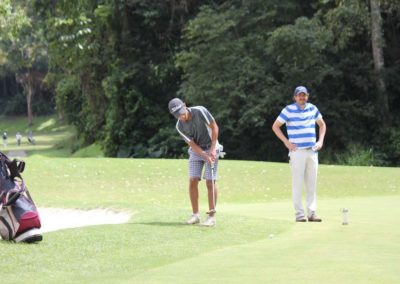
304,165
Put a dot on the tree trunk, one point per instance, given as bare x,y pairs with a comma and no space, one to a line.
377,52
4,87
29,95
27,81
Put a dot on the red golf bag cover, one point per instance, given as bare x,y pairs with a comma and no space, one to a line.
19,217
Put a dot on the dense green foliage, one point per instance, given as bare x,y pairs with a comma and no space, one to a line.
249,69
114,65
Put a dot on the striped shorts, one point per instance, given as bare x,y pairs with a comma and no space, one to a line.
196,164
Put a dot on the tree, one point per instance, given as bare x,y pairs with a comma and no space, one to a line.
115,65
377,52
227,67
25,54
112,66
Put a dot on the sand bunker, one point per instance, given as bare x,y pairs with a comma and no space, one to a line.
54,219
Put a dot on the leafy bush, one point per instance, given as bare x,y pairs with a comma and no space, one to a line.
358,155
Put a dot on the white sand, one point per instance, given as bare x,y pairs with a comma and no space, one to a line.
54,219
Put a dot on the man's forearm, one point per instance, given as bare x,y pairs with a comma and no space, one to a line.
322,132
214,135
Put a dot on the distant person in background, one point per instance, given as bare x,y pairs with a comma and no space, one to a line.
5,139
18,137
31,140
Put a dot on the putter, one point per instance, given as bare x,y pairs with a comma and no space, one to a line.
221,154
213,189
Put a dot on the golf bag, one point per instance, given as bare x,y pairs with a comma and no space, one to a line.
19,217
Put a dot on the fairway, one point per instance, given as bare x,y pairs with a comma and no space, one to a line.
51,136
255,240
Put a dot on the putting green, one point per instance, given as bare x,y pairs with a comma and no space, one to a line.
365,251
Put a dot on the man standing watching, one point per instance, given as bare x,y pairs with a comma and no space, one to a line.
198,128
300,118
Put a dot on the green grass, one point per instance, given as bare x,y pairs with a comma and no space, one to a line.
90,151
155,247
255,201
366,251
54,138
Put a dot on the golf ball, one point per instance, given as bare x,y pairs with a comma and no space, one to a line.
271,236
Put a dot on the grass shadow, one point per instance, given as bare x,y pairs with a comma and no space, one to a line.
162,224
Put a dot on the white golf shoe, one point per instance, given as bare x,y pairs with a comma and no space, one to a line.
209,222
194,219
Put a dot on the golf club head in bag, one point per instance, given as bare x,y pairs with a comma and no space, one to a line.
19,217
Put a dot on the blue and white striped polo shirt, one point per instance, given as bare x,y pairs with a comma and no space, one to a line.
300,124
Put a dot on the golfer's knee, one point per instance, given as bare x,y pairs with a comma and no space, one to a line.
209,184
194,181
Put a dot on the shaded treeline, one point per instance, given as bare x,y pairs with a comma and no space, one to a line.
114,65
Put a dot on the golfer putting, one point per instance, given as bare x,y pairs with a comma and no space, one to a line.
199,130
300,118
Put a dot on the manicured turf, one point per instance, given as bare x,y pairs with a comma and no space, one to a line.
255,240
366,251
255,203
